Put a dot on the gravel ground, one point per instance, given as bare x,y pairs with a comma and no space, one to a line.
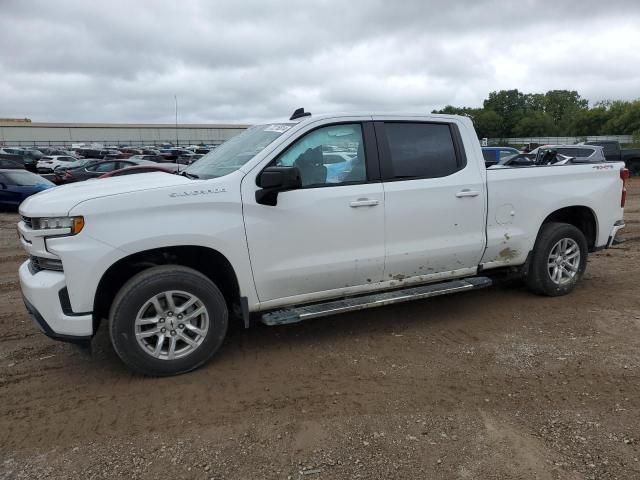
490,384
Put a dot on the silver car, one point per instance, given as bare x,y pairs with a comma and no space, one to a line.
579,153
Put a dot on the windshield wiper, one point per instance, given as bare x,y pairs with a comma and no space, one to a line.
191,176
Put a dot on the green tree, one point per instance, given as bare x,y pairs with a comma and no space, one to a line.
487,123
558,104
534,102
590,121
510,105
508,113
624,118
536,124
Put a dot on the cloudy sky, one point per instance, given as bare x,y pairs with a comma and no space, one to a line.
246,60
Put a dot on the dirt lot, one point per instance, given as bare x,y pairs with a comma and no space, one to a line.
490,384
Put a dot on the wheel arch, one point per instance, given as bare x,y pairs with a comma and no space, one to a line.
211,263
581,217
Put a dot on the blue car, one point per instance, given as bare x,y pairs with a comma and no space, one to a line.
493,155
16,185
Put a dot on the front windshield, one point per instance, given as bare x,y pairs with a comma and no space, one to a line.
234,153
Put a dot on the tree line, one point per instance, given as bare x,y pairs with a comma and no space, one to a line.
556,113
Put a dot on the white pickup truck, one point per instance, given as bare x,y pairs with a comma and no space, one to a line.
294,220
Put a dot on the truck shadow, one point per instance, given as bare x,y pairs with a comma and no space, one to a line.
467,311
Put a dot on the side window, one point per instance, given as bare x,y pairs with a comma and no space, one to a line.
328,156
105,167
506,153
421,150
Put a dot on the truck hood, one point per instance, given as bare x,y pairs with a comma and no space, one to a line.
58,201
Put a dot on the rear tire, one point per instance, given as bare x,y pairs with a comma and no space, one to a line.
559,260
167,320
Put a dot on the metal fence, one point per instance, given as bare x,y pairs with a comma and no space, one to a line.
623,139
106,143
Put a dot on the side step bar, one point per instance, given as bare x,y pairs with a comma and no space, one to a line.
298,314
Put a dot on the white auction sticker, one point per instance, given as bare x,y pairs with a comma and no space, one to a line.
277,127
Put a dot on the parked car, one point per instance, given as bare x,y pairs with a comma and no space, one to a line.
555,155
257,226
58,175
582,152
163,168
27,158
32,152
178,155
49,163
614,152
7,163
493,155
151,158
541,157
55,151
17,185
129,152
96,168
101,153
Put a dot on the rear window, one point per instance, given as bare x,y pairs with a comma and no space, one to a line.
608,147
576,152
421,150
25,179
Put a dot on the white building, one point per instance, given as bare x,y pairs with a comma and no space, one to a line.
14,133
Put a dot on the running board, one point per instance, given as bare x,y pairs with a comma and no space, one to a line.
298,314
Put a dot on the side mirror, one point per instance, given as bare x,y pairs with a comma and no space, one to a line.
273,180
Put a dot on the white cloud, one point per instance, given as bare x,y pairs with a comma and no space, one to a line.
123,61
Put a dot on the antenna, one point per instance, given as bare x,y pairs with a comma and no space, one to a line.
299,113
177,138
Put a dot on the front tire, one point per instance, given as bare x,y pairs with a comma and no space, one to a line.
167,320
559,260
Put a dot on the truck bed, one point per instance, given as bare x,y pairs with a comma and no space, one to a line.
519,200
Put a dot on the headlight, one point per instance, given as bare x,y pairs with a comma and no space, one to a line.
75,224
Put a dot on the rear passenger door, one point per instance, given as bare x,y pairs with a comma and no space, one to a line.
434,200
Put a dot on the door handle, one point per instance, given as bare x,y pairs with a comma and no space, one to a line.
364,202
467,193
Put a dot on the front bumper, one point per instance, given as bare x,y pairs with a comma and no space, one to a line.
43,294
619,225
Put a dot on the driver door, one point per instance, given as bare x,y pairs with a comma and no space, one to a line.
326,237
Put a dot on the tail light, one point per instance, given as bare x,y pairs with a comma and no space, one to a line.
624,175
